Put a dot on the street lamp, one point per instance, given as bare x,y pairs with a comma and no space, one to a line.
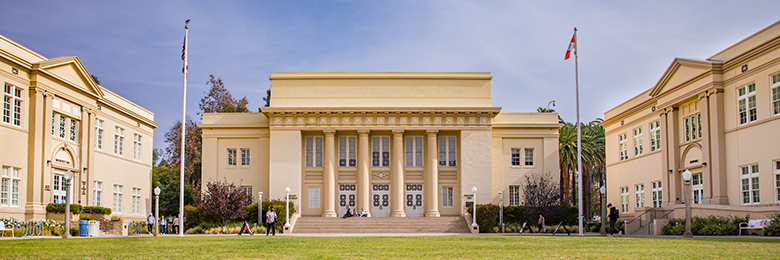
501,211
68,177
287,209
603,191
259,208
687,177
474,207
157,211
548,104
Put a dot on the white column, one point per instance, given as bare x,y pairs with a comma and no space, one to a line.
397,175
330,175
364,158
431,191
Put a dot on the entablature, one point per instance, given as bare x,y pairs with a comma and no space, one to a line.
380,117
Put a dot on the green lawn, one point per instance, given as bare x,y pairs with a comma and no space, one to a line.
447,247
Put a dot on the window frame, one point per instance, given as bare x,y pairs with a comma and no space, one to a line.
514,155
313,151
414,151
97,193
446,151
10,187
347,151
774,91
314,201
746,97
119,141
639,193
13,105
99,134
118,197
638,141
137,146
231,157
447,197
622,146
655,135
776,164
657,191
697,188
380,151
749,175
246,157
624,203
514,195
526,157
136,201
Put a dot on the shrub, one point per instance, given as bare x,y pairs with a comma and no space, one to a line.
194,217
97,210
279,207
593,227
74,231
85,217
773,229
706,226
60,208
116,218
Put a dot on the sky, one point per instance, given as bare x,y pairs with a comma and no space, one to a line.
134,47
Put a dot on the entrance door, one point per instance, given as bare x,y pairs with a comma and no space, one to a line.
347,196
380,200
414,200
58,187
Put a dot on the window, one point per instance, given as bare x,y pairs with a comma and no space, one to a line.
314,197
98,134
448,146
57,193
245,159
655,136
314,151
248,190
62,126
118,198
529,157
119,140
136,201
73,130
638,148
9,192
623,149
692,126
446,197
749,187
347,151
776,95
640,195
137,151
658,196
624,199
380,151
777,180
514,195
414,151
746,103
515,157
53,122
97,194
697,188
12,105
231,157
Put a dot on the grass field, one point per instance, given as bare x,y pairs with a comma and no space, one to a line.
441,247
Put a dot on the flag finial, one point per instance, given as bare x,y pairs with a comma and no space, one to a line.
187,23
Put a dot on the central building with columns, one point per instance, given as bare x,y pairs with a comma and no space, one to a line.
390,144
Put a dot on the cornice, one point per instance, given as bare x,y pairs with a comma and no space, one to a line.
381,75
269,111
759,50
13,58
402,118
128,112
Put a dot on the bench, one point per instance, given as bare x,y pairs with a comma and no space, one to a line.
4,228
754,224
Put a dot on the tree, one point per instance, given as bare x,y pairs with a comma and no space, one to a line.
192,150
267,100
541,196
168,180
219,99
95,79
223,201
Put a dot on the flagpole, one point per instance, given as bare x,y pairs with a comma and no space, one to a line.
579,137
183,132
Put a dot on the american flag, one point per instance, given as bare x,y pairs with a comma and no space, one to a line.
184,50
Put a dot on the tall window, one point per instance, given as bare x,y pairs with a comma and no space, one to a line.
624,199
514,195
658,196
347,151
314,151
777,180
380,151
62,126
776,95
414,151
692,126
529,157
446,197
314,197
137,151
99,134
623,149
515,156
136,201
697,187
58,193
448,145
746,103
231,153
245,158
118,198
73,130
638,148
12,105
655,136
640,195
11,180
119,140
749,187
97,194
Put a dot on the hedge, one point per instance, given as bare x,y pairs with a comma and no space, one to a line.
97,210
60,208
488,216
706,226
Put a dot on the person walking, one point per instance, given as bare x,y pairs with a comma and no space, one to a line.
150,223
176,225
163,225
540,223
270,220
613,216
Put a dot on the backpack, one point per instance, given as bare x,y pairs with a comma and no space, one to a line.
614,213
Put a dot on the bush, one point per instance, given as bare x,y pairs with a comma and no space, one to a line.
593,227
60,208
97,210
85,217
706,226
488,216
116,218
773,229
194,217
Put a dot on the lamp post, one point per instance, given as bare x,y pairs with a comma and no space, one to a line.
259,208
550,103
687,177
68,177
157,211
603,191
474,208
501,211
287,208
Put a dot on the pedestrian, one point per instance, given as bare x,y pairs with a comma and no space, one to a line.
270,220
170,223
163,225
150,223
540,223
176,223
613,216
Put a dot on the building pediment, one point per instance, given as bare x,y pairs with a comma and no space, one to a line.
681,71
70,71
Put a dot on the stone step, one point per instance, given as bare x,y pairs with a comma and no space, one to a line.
380,225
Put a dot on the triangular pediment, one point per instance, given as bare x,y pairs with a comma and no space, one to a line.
70,70
681,71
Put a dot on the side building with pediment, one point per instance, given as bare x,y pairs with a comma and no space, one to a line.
392,144
57,119
717,118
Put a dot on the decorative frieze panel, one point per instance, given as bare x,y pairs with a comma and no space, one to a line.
288,119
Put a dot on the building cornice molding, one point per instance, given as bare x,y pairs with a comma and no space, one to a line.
380,75
352,118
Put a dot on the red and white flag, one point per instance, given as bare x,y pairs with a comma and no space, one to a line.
572,46
184,50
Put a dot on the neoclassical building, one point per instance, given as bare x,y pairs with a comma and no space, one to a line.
392,144
719,118
57,119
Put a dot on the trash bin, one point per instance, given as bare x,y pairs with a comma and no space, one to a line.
94,227
83,225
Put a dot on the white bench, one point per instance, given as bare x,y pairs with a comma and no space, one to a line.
4,228
754,224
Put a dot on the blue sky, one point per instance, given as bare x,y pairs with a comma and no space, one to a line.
134,47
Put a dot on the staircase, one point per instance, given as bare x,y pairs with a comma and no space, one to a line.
314,225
